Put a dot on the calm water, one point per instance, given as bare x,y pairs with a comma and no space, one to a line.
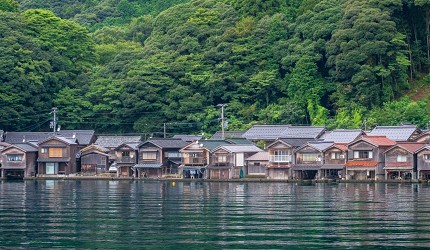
137,214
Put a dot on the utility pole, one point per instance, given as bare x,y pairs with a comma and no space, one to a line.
164,130
54,121
222,119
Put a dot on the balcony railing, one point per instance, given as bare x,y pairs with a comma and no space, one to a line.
280,158
195,161
125,159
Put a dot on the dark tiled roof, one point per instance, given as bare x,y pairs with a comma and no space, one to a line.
59,138
342,135
113,141
188,138
273,132
296,142
211,144
321,146
166,143
84,137
24,146
227,135
396,133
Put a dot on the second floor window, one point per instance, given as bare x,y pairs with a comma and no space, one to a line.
335,155
222,158
14,157
149,155
125,153
55,152
362,154
402,158
310,157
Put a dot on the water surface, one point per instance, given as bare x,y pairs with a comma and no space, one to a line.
139,214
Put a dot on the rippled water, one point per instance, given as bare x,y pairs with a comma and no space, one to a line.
138,214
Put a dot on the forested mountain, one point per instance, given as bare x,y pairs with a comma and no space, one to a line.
131,66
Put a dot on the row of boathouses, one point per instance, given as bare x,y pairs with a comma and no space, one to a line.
281,152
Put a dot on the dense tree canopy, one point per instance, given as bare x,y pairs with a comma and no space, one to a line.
135,66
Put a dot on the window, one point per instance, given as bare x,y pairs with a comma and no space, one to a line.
257,164
310,157
14,157
51,168
427,157
281,152
149,155
335,155
221,158
125,153
55,152
363,154
402,158
43,150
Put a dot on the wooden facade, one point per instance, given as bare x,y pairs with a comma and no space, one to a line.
125,159
195,161
57,156
94,159
401,161
334,162
281,159
308,163
19,161
423,163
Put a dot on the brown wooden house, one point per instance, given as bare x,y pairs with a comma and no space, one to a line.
309,159
125,159
400,161
423,163
159,158
366,159
94,159
334,161
257,165
19,161
228,161
57,156
281,157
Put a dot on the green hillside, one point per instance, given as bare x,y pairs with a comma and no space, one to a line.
131,66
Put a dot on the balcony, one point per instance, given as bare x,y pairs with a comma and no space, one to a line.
195,161
280,158
125,159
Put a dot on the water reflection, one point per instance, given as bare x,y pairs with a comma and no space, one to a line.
123,214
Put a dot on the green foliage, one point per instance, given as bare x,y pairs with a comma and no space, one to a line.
9,5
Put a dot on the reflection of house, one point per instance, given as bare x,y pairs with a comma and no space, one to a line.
257,163
309,160
401,133
423,163
94,159
366,157
125,159
19,161
334,161
159,157
281,157
195,158
57,155
228,161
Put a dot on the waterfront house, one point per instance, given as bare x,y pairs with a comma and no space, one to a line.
334,161
94,159
19,161
256,165
228,161
401,133
111,142
400,161
196,158
57,156
366,157
423,162
125,159
309,159
159,157
281,156
270,133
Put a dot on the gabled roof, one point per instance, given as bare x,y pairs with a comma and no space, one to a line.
132,145
207,144
95,147
411,147
293,142
84,137
22,146
396,133
227,135
68,141
166,143
238,148
188,138
113,141
340,146
273,132
425,147
342,135
320,146
376,141
259,156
